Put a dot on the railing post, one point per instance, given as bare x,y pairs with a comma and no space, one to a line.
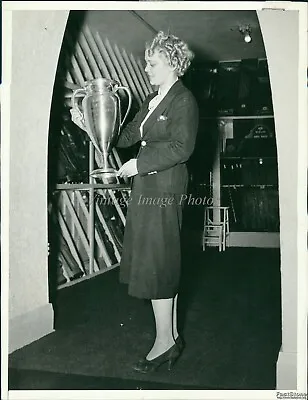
91,224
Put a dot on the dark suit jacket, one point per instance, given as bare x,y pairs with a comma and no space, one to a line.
167,142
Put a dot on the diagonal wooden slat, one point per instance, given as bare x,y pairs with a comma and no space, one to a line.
69,77
79,227
73,63
141,78
91,60
132,83
107,230
64,212
63,266
133,75
97,237
115,203
142,71
69,240
78,54
121,72
106,69
76,72
113,66
84,62
71,195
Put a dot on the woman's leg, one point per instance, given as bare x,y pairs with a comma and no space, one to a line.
164,333
175,318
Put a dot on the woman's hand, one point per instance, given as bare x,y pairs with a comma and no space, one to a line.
128,169
77,118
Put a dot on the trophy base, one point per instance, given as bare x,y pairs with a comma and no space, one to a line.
107,174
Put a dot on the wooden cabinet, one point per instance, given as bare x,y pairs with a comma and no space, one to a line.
246,173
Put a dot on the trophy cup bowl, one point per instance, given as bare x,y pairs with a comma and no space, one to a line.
100,112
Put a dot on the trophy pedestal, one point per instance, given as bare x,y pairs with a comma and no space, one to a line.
105,174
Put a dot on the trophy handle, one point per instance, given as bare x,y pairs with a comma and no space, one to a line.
129,102
75,104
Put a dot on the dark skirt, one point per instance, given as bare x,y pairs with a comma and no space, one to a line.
151,258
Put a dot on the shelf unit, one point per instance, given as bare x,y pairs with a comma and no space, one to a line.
229,180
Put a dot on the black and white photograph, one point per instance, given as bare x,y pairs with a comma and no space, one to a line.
154,200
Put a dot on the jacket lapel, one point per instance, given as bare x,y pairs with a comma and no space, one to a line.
162,106
145,108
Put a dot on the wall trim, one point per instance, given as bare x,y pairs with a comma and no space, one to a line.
26,328
254,239
286,372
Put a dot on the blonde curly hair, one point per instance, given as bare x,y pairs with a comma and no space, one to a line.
175,50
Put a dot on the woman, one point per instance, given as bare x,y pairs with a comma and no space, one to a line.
167,125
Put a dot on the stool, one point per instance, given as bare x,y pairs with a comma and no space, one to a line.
216,227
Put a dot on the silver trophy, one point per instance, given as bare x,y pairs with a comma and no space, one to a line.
100,113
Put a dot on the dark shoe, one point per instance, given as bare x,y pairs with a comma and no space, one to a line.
170,356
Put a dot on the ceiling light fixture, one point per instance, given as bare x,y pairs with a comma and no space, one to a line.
246,32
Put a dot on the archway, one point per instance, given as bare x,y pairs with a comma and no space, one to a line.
28,205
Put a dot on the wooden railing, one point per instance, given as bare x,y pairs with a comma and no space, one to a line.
90,236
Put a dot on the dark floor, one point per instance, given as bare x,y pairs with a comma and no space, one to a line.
23,379
229,317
